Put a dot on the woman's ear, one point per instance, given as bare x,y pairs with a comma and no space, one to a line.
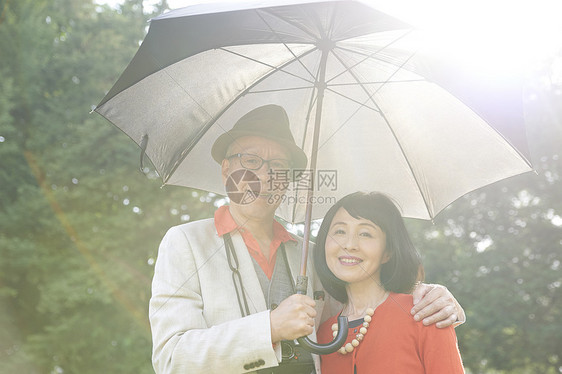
386,256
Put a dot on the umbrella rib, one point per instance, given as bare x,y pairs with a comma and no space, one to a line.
377,82
372,56
362,104
200,134
370,98
271,66
281,40
369,95
369,56
204,130
298,25
280,90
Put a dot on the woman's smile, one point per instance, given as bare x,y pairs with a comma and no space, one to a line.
350,260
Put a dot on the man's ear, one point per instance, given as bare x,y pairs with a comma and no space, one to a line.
225,170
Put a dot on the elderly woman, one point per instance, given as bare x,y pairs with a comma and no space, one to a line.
366,260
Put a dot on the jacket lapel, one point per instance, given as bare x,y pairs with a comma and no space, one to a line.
250,281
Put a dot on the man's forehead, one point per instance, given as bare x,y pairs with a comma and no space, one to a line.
257,144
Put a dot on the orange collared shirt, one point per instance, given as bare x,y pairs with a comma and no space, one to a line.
224,223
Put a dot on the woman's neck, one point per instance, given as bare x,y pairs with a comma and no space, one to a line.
360,298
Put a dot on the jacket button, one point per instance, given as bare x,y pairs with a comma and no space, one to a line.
247,367
260,362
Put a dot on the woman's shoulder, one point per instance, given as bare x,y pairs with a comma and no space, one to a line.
399,300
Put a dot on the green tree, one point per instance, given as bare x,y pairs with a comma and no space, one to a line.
499,250
80,225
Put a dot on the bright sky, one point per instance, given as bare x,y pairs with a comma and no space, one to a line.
514,32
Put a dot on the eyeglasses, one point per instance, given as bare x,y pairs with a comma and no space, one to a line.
254,162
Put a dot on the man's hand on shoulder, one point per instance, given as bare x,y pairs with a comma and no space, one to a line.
434,303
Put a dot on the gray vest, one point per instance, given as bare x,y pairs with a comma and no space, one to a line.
275,291
281,284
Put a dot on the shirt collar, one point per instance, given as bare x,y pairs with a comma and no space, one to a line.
224,223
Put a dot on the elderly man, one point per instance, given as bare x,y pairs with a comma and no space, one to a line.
223,290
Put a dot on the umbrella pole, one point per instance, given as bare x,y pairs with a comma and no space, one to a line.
302,279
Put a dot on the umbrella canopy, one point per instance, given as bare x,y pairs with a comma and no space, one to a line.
391,119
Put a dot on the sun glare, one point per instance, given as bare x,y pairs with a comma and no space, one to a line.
488,34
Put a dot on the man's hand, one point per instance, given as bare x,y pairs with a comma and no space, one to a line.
293,318
434,303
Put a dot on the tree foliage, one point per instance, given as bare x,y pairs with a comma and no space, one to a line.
80,226
499,249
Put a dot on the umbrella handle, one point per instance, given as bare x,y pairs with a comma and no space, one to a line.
334,345
317,348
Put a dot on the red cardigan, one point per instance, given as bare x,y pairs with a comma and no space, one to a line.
395,344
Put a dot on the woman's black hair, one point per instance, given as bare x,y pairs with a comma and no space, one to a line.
400,273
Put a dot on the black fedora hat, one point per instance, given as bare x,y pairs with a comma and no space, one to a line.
268,121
